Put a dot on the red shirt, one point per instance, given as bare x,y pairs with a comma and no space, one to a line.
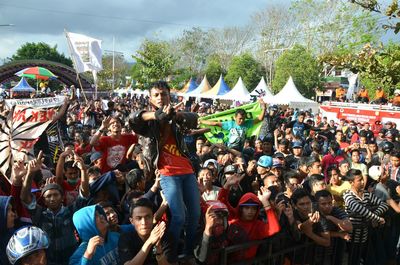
114,151
171,161
70,192
82,150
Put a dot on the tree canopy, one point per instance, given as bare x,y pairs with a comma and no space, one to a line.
302,66
40,51
244,66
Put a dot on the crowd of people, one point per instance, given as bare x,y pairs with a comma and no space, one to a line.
137,182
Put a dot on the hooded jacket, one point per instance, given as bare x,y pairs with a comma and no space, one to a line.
5,233
240,231
85,223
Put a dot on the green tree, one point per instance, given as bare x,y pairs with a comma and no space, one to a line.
153,61
302,66
390,10
214,69
244,66
41,51
121,70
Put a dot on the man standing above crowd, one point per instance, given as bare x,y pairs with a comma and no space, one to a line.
164,148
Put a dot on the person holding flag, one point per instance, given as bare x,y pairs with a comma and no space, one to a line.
238,127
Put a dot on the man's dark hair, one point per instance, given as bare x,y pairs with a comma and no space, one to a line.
68,144
142,202
106,204
395,154
314,178
330,169
94,171
334,146
312,160
160,85
322,194
69,164
354,150
351,175
201,137
299,194
240,112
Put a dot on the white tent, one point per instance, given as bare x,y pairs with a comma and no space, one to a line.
239,92
262,90
203,87
289,95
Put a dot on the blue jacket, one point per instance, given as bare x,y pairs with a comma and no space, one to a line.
5,233
85,223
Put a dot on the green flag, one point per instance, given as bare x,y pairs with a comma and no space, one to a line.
217,135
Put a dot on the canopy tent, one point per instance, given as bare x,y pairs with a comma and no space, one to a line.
289,95
220,89
22,86
189,87
203,87
239,92
262,90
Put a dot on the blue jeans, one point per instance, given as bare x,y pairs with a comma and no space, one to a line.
182,195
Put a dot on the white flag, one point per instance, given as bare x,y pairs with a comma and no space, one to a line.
86,51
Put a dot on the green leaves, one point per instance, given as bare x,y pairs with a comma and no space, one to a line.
154,61
302,66
40,51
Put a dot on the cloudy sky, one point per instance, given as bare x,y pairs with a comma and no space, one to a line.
129,21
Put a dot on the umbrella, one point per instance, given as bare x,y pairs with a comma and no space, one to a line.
36,73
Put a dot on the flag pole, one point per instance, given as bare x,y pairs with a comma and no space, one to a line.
73,60
113,66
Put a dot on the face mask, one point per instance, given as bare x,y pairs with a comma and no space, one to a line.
72,181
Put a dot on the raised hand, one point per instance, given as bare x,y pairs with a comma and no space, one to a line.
263,195
18,172
94,242
157,233
210,218
36,164
105,123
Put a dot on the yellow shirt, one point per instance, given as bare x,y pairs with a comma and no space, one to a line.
338,191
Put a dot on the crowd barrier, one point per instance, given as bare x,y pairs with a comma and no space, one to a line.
274,251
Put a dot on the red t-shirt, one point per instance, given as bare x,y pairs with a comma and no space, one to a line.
114,151
71,192
171,161
82,150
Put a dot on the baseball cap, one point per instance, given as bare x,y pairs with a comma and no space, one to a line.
277,163
95,156
134,176
264,161
297,144
230,169
212,161
278,155
250,203
52,186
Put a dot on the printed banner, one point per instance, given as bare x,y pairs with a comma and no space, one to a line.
20,131
49,102
86,52
217,135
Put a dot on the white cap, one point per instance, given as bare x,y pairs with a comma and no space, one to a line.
375,172
213,161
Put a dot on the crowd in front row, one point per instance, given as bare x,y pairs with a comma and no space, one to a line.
139,183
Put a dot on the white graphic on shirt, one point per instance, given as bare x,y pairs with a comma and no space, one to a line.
115,155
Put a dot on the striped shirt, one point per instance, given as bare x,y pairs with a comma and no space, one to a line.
362,211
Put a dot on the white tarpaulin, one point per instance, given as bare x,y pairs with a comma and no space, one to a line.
239,92
261,90
289,95
49,102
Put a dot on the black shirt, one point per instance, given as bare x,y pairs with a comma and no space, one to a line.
130,244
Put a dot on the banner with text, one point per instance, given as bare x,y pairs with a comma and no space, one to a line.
217,135
20,131
49,102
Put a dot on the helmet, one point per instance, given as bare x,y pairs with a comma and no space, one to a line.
387,147
273,107
26,241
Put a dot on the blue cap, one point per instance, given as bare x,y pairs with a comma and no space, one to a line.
94,156
265,161
297,144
